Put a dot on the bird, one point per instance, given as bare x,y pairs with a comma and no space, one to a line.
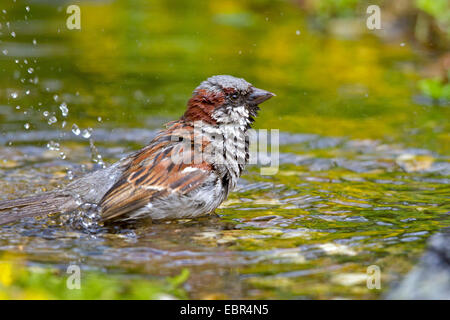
186,171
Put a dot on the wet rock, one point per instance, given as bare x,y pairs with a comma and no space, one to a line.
304,233
430,279
8,164
265,218
412,163
290,255
349,279
296,138
271,231
325,143
340,249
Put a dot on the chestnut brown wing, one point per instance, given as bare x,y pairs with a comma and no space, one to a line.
152,174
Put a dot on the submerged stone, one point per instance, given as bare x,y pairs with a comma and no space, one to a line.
430,280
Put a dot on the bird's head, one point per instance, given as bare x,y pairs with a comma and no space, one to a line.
225,100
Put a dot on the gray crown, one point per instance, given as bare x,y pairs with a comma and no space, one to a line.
217,83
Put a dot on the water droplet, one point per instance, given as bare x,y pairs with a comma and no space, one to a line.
55,97
99,119
27,92
87,133
34,42
53,146
62,155
297,32
78,200
26,126
70,174
5,52
52,120
402,44
95,154
76,131
64,109
30,70
27,8
13,34
45,113
14,95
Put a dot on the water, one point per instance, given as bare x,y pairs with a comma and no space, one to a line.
364,169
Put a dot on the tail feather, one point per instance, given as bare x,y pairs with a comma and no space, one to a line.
16,203
41,205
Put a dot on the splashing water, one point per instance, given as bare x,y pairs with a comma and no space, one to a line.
52,120
76,130
86,133
86,218
96,157
64,109
53,146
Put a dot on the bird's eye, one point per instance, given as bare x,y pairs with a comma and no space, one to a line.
235,96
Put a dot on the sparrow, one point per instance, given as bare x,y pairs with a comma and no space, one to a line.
186,171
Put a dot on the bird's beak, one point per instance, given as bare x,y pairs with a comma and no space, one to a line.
259,96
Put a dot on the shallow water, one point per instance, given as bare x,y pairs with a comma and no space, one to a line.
364,169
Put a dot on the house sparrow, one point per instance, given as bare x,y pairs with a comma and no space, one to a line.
186,171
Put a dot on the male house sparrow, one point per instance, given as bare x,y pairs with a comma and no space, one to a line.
186,171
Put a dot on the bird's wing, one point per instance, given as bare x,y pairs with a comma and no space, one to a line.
153,174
